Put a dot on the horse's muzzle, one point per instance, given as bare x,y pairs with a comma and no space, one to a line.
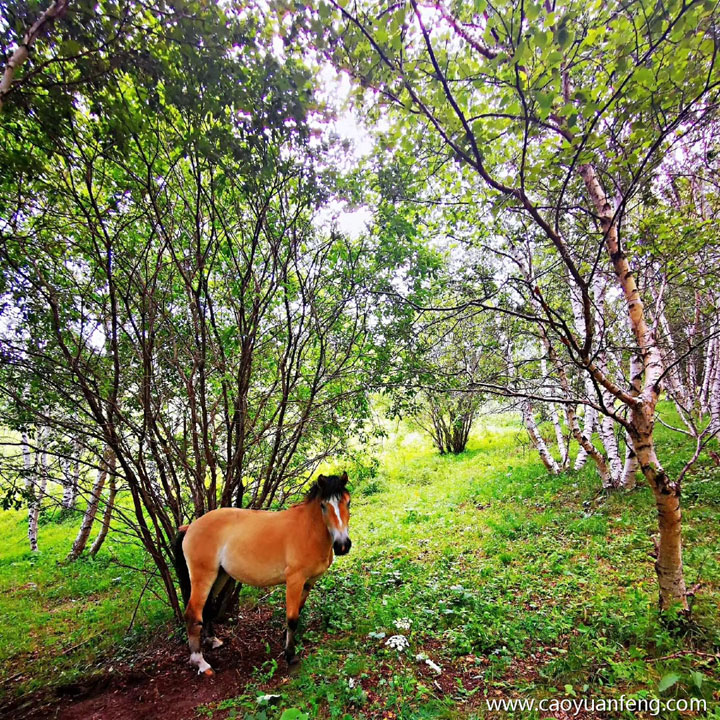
342,547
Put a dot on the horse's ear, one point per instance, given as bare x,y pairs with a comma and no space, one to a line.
344,478
322,482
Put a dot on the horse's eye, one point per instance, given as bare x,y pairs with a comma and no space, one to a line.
323,506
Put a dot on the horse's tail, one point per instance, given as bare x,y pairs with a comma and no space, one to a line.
181,567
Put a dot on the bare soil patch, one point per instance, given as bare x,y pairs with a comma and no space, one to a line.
161,682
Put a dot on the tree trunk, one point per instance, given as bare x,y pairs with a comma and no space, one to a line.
709,370
589,423
107,516
631,467
27,461
668,545
606,430
70,481
669,566
586,443
37,488
107,465
692,333
591,415
537,440
22,52
715,400
563,447
675,381
563,451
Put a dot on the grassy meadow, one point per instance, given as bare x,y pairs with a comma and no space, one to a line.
504,582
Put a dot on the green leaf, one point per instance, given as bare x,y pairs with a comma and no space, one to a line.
294,714
644,76
555,58
70,47
564,37
667,681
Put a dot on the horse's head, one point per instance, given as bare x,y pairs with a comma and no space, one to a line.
335,503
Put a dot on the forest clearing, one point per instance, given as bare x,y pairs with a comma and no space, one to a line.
359,359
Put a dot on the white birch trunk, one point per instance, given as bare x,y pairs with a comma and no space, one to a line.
529,420
537,440
693,332
22,52
27,461
70,481
589,424
631,467
629,474
715,400
606,428
590,419
37,486
675,383
708,370
586,443
563,447
555,417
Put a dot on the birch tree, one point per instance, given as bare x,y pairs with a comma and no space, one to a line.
35,487
558,114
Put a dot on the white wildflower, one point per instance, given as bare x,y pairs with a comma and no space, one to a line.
351,683
397,642
403,623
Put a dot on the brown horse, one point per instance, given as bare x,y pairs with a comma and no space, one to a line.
261,548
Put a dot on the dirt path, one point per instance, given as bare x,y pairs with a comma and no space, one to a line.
161,684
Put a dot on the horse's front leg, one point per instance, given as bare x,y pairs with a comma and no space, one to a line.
295,597
307,587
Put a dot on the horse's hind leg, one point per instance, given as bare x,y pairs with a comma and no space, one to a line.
212,609
201,587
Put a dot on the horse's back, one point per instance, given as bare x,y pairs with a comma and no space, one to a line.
249,545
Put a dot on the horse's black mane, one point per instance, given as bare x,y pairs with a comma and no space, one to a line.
326,487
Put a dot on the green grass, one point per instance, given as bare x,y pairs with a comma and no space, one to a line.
61,620
516,583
